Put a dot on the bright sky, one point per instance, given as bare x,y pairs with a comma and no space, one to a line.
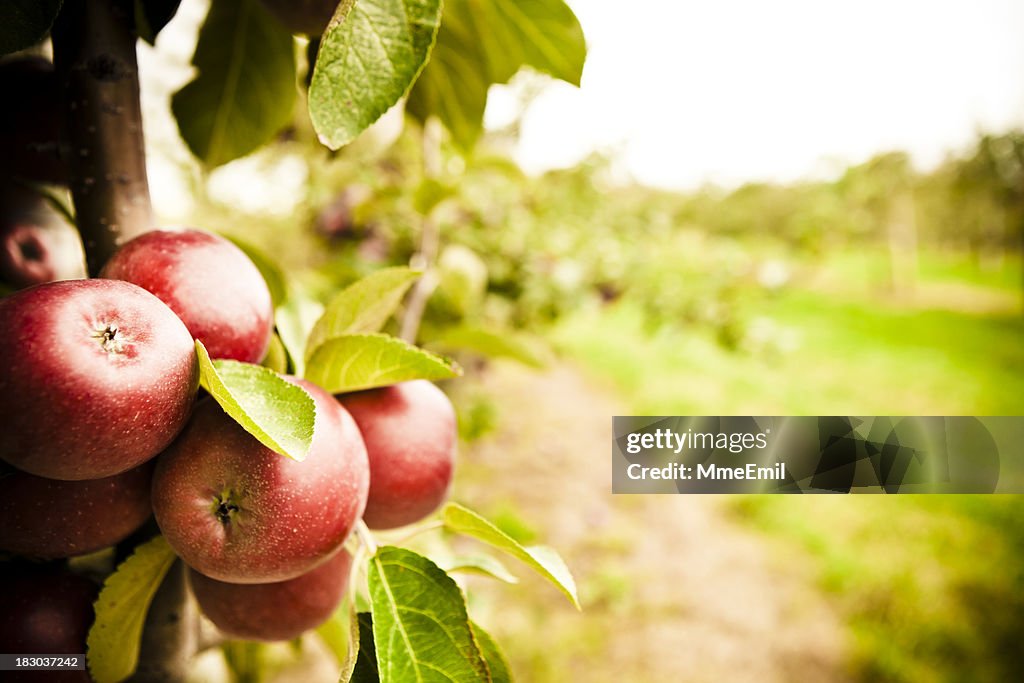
735,90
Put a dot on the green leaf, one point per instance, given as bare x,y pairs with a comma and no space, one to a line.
278,413
152,15
544,34
495,658
487,41
493,344
544,560
245,90
367,62
365,669
363,306
294,319
364,361
115,636
482,565
277,356
454,84
23,23
277,281
420,626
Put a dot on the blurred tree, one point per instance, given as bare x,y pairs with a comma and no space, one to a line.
880,193
992,182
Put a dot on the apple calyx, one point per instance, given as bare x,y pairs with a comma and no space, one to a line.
224,507
110,337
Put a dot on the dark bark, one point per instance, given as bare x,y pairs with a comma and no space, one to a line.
171,635
94,53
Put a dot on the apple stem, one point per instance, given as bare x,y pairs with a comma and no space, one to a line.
94,54
422,529
365,537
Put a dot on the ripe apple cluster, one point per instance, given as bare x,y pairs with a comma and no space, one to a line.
102,426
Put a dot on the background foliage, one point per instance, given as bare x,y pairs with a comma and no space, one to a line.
889,290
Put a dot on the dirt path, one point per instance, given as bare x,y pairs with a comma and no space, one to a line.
673,588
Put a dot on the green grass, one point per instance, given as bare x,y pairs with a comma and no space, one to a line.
868,266
931,587
824,354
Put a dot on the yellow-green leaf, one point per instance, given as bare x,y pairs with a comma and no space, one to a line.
544,560
364,361
363,306
114,639
281,415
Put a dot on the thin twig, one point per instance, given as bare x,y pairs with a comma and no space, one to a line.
430,239
420,530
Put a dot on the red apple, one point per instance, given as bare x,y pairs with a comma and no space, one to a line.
209,282
237,511
410,434
309,17
96,377
37,244
274,611
48,518
44,609
30,121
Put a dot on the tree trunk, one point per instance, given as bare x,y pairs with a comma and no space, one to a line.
94,53
171,635
901,233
